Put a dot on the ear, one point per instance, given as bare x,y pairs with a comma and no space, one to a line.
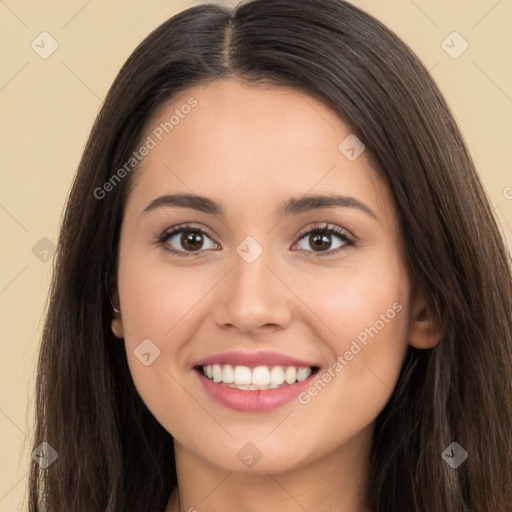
117,321
425,331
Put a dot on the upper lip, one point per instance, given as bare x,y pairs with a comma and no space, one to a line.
253,359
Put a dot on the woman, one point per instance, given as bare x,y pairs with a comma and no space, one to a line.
206,348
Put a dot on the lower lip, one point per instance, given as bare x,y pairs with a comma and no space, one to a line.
254,400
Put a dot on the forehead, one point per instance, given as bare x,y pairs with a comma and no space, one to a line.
250,142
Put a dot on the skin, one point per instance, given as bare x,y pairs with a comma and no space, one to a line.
250,148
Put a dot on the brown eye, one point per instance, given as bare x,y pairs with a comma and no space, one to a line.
185,240
191,240
321,240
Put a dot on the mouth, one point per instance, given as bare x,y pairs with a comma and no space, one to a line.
258,378
254,389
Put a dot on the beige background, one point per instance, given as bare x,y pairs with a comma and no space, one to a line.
47,107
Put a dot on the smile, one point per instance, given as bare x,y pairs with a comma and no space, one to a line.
258,378
257,389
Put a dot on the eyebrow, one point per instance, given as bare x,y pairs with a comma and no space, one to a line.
290,207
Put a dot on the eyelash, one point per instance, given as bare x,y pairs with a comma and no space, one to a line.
339,232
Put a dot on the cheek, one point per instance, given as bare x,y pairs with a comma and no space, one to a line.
155,298
155,304
366,312
155,307
360,302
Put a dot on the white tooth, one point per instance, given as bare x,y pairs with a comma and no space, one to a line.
277,375
290,375
303,374
260,376
227,374
242,375
217,373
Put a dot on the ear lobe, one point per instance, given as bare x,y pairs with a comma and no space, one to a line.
117,322
425,331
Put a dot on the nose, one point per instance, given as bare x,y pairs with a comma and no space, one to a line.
253,297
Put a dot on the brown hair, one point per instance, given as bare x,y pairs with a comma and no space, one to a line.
113,455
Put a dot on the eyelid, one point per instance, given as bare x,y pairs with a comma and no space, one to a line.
326,226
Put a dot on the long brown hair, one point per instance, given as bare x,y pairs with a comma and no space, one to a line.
113,455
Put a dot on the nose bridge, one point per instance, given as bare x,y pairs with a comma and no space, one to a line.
251,274
254,295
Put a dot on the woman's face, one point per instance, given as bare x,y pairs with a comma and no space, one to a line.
257,280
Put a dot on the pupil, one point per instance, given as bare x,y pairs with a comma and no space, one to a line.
191,240
319,238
